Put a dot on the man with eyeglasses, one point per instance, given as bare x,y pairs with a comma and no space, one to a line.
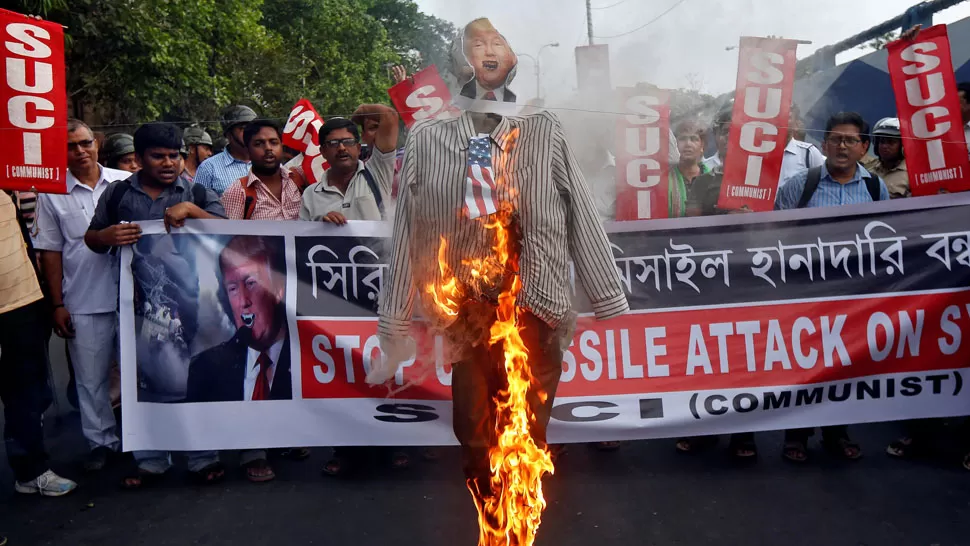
350,190
83,287
840,181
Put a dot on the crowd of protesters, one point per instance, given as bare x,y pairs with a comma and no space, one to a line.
60,265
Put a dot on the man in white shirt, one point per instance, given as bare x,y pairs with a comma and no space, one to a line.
712,162
84,286
799,156
349,190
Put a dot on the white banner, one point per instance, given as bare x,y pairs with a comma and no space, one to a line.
259,334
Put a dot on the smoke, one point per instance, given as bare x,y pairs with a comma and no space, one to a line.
689,40
687,45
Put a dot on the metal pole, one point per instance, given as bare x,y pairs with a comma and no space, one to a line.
537,57
923,8
535,63
538,90
589,21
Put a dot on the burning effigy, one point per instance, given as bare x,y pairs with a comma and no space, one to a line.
492,217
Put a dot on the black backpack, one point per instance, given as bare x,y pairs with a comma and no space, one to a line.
815,177
114,201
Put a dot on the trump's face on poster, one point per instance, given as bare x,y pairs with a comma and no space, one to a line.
254,290
489,54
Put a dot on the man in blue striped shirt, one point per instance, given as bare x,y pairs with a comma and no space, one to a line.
226,167
840,181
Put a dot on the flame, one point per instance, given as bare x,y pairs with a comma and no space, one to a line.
447,296
517,463
509,514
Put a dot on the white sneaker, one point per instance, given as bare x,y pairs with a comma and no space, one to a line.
47,484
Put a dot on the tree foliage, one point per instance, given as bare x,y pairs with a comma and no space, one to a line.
878,43
418,39
337,53
131,61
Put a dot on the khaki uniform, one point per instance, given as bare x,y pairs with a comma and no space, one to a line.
896,179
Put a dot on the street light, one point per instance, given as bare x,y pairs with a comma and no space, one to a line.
535,61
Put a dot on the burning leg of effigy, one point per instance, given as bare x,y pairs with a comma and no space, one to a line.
507,495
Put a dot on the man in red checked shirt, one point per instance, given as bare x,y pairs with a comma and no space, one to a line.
269,191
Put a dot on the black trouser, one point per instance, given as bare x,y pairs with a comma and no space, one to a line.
24,389
358,456
480,375
829,434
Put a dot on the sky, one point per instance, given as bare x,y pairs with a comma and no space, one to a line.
683,49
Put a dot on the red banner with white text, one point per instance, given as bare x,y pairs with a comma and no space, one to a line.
929,113
302,133
33,120
422,96
642,151
759,124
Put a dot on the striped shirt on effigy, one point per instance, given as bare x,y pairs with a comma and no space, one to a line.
537,174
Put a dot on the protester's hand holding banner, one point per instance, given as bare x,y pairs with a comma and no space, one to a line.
422,96
642,142
302,133
928,107
766,77
33,118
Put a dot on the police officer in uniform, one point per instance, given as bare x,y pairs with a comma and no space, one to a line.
198,148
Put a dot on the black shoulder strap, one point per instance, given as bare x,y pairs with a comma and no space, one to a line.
872,184
198,195
811,184
372,184
114,200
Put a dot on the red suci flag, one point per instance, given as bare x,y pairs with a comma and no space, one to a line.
929,113
33,119
642,144
302,133
759,124
422,96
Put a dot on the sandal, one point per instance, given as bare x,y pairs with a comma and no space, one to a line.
335,467
210,475
400,460
139,478
796,452
903,448
843,447
743,449
607,446
296,453
259,471
695,443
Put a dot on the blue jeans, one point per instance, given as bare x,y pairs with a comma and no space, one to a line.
158,462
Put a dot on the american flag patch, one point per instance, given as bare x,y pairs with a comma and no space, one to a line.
480,180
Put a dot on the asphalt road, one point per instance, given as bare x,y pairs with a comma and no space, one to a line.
644,494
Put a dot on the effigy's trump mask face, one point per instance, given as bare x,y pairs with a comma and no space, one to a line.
483,57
